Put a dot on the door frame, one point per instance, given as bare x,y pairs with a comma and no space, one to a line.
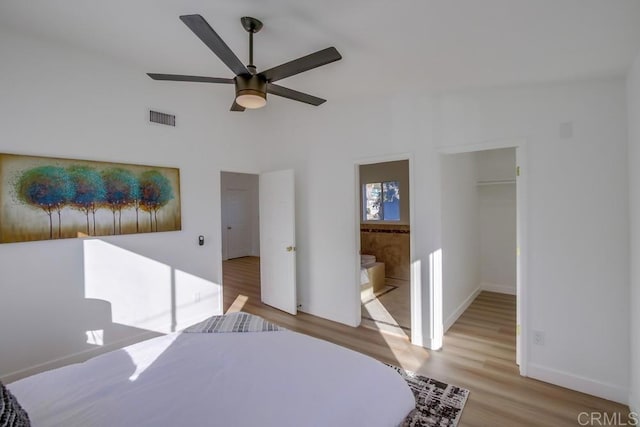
414,290
220,256
522,318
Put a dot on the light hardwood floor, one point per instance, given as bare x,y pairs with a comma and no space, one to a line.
478,354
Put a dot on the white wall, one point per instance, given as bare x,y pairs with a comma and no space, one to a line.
248,183
497,217
633,98
496,165
460,235
324,145
60,102
578,268
577,226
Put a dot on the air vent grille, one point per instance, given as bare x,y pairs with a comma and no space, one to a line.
162,118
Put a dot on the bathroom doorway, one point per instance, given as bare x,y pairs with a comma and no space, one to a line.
384,222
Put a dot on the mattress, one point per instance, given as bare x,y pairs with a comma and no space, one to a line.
279,378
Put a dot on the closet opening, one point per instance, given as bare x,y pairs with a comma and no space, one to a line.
481,243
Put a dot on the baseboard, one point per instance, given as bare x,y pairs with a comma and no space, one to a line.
578,383
78,357
501,289
461,309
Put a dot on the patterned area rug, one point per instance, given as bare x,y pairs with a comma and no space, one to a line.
437,403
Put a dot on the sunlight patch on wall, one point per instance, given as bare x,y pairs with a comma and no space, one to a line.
144,293
196,299
435,296
138,288
416,303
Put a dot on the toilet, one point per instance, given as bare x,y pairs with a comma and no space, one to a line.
371,275
367,261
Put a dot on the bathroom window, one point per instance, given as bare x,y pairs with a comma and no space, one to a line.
382,201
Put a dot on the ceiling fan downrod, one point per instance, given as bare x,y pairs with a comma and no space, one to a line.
252,26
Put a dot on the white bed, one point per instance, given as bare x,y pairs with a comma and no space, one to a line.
276,378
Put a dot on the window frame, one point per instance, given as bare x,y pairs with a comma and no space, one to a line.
381,211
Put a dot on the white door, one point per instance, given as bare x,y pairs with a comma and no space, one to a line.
278,240
237,223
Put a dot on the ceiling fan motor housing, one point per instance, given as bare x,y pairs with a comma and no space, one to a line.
250,86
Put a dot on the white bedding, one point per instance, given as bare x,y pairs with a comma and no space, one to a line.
231,379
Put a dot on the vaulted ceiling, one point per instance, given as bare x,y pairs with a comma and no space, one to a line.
387,46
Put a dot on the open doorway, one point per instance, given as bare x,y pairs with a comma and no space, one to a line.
239,197
482,206
385,246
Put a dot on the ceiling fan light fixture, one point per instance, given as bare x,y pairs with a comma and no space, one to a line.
251,91
251,99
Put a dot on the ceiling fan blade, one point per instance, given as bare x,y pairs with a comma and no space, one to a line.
181,78
236,107
203,30
305,63
294,94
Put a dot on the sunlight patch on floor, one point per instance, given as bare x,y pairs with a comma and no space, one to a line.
377,314
238,304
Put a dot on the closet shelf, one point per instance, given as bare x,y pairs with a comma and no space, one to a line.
496,182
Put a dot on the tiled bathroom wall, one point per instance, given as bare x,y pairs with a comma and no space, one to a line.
390,244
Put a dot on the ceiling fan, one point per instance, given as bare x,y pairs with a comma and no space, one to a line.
251,87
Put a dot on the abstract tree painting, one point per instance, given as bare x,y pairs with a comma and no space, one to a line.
45,187
156,192
47,198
